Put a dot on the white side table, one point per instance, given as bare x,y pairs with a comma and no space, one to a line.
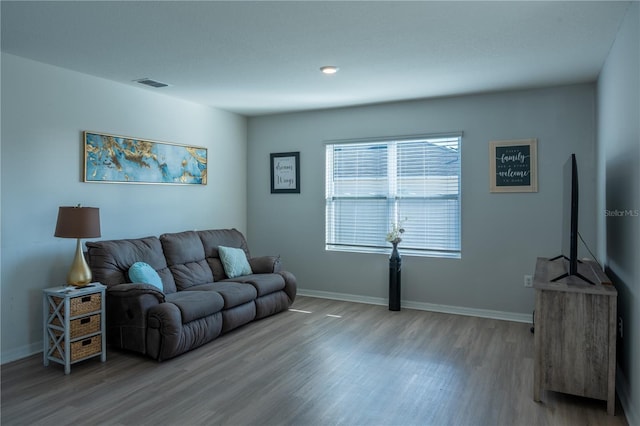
74,324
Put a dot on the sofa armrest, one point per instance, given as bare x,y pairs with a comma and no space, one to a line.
127,308
166,318
165,331
290,285
265,264
135,290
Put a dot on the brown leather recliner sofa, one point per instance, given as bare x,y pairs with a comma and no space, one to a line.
198,301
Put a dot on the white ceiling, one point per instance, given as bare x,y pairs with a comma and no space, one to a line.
264,57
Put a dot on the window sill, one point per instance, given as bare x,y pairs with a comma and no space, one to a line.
403,252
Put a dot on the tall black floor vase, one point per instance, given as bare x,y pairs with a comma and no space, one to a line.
395,266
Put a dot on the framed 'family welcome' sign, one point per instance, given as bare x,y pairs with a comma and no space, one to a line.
513,166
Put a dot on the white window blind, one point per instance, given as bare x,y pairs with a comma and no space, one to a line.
413,180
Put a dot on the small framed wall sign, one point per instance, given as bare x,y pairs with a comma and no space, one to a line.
285,173
513,166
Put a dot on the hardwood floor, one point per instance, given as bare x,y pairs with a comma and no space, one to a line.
341,363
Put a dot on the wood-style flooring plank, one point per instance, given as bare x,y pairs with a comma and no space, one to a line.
341,363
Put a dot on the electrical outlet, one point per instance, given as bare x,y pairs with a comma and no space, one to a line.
620,328
528,281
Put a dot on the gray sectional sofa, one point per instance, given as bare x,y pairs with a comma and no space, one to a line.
198,301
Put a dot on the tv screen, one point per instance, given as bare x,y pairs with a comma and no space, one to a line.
570,234
570,214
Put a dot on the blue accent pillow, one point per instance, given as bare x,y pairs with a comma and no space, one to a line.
234,261
141,272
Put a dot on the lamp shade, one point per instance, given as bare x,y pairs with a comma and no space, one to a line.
78,222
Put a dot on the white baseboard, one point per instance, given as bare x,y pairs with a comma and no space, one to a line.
622,389
21,352
432,307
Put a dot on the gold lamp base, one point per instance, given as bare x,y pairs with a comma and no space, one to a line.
80,274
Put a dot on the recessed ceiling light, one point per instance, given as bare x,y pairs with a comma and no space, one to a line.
329,69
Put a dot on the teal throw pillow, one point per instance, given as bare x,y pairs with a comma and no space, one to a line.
141,272
234,261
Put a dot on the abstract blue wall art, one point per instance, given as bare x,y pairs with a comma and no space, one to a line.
122,159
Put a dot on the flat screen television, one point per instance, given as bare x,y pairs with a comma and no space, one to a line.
570,220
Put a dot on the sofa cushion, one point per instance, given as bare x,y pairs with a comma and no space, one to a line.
234,261
263,283
212,239
110,260
185,256
194,305
141,272
233,293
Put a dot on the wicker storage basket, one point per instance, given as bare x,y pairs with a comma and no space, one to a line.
81,326
81,304
82,348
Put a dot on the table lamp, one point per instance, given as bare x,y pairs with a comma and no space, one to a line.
78,222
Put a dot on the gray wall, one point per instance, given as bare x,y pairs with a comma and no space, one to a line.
44,111
502,234
619,191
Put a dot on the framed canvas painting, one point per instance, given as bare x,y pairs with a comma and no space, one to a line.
122,159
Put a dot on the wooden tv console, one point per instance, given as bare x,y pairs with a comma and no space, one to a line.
575,332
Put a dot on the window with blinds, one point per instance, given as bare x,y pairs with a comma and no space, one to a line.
372,184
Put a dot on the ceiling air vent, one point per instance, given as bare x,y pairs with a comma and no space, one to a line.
149,82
